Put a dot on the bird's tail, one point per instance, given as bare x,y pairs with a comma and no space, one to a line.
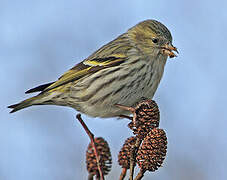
26,103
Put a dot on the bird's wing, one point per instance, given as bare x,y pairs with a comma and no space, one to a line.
88,66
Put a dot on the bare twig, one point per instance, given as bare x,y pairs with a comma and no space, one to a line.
133,153
91,136
135,147
140,175
132,162
123,173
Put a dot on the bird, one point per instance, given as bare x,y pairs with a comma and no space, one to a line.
124,71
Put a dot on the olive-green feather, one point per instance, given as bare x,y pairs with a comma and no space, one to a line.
38,88
85,68
23,104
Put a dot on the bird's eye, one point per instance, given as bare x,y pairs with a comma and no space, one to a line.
154,40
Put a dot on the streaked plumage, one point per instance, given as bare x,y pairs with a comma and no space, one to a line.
123,71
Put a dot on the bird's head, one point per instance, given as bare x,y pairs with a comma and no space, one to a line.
152,37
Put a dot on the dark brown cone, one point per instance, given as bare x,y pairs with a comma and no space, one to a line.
147,117
104,154
152,152
124,154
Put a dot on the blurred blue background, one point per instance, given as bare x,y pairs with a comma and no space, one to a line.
40,40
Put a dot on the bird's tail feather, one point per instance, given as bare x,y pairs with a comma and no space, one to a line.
23,104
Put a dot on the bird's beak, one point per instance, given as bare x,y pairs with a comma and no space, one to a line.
167,50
